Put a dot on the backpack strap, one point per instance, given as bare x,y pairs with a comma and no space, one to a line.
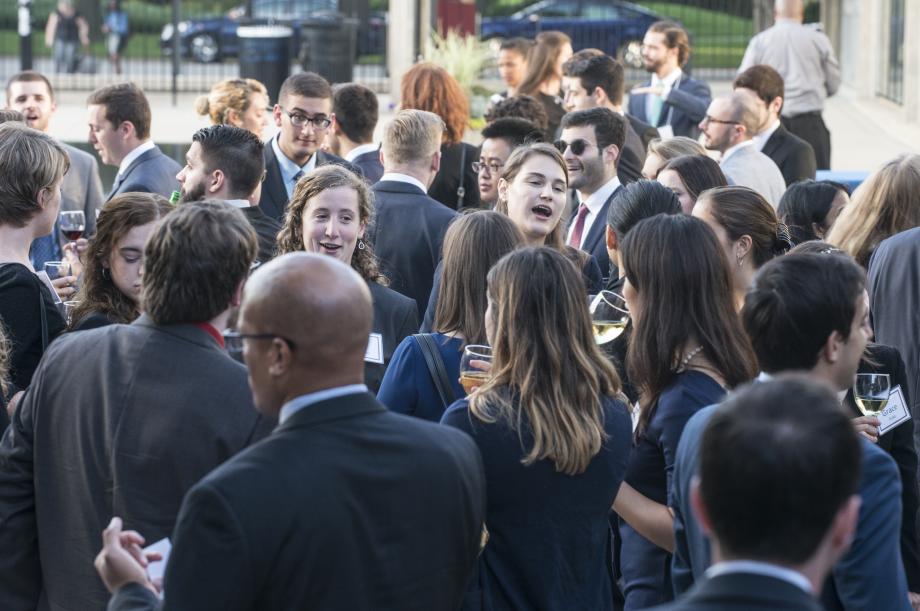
435,367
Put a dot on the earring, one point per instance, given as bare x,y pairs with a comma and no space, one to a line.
741,261
361,245
105,273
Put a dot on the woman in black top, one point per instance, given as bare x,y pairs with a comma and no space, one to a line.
543,80
111,290
32,165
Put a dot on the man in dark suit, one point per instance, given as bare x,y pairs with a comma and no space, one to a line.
671,100
119,130
774,537
808,313
355,112
126,418
225,163
592,79
794,157
304,114
593,139
410,226
346,505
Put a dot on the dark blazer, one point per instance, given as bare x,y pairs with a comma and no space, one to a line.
632,157
370,165
445,184
744,592
793,156
274,196
683,109
595,243
346,506
81,188
407,237
395,317
120,420
152,172
267,230
646,132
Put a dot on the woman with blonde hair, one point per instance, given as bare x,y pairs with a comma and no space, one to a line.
238,102
543,79
886,204
329,213
427,86
554,435
662,150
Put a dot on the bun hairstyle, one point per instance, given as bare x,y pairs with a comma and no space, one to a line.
743,211
227,95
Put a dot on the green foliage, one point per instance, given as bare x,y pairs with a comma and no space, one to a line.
464,57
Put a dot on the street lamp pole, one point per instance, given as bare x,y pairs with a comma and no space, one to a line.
25,34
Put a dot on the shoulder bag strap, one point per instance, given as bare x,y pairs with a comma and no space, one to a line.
461,192
43,314
435,367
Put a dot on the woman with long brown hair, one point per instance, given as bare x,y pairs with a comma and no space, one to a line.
111,289
543,79
554,436
429,87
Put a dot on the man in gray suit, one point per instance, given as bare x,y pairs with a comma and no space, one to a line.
119,130
729,127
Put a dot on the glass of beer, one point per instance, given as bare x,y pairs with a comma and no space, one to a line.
609,316
871,392
475,366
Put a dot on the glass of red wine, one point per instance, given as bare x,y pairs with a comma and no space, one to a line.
73,223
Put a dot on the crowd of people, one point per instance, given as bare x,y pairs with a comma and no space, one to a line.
620,355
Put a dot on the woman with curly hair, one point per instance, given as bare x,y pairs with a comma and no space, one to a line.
329,213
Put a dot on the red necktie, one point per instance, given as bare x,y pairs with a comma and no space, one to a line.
575,240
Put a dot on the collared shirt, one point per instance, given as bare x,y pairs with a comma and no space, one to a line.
298,403
289,169
594,202
760,140
238,203
359,150
142,148
804,57
668,83
412,180
760,568
732,150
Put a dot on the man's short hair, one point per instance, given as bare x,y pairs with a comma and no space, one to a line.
236,152
412,136
305,85
124,102
8,114
609,127
356,111
512,130
597,70
521,46
795,303
675,37
778,461
521,107
29,76
29,162
763,80
194,262
744,110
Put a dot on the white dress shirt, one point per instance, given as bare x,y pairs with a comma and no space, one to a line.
298,403
130,157
238,203
594,202
753,567
760,140
289,169
412,180
359,150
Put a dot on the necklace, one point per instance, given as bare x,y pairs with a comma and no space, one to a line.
689,357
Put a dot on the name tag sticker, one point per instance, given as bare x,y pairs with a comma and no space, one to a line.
374,352
895,412
665,132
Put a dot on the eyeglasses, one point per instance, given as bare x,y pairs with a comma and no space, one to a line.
578,146
233,342
708,119
494,168
299,119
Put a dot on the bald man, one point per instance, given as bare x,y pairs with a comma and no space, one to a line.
804,57
346,505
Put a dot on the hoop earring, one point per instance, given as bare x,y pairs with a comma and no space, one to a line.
105,273
361,245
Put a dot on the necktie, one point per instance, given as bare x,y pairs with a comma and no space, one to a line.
115,185
575,239
655,114
297,176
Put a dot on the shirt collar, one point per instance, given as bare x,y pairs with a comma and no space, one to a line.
298,403
289,169
732,150
142,148
670,80
412,180
760,140
596,200
359,150
760,568
763,376
212,331
238,203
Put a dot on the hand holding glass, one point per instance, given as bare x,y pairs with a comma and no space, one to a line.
475,366
609,316
871,392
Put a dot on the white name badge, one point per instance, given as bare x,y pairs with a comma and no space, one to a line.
374,352
157,568
895,412
665,132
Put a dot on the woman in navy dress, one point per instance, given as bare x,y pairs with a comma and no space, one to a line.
554,435
472,245
687,348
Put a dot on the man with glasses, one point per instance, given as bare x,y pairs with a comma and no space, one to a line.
304,114
730,124
500,138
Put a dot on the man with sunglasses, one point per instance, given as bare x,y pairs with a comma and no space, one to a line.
730,124
303,114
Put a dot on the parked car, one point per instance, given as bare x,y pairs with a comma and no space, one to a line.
613,26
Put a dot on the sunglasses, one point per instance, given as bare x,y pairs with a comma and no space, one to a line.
578,146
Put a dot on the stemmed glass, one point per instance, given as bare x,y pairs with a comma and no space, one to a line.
871,392
475,366
73,224
609,316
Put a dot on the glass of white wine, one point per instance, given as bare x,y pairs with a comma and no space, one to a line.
475,366
871,392
609,316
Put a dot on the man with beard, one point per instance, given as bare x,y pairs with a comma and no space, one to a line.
671,100
591,143
225,163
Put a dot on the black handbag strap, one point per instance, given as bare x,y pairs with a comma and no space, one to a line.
461,192
435,367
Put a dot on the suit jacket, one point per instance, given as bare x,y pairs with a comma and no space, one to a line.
124,432
632,157
370,165
645,131
793,156
395,317
744,592
82,188
595,243
748,167
346,506
454,166
683,109
267,230
152,172
274,196
407,237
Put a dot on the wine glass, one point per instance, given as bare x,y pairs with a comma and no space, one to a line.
57,269
73,223
871,392
609,316
475,366
69,307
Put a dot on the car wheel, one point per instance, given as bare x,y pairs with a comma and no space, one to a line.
630,54
204,48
